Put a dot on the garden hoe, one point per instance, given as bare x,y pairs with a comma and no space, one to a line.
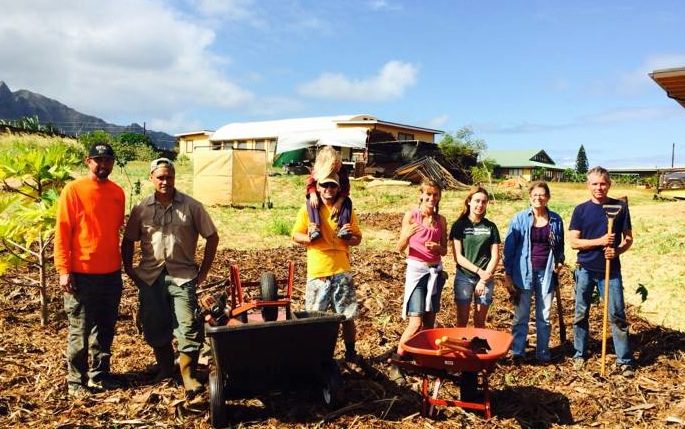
611,210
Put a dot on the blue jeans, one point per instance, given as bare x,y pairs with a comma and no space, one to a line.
543,306
336,291
586,281
417,301
464,287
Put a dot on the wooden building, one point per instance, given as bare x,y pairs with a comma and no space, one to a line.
350,133
523,163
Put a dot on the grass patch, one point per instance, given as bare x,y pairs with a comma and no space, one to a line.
656,260
278,226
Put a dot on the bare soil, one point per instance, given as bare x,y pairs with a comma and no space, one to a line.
33,390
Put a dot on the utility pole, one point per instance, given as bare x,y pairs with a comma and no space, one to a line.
672,155
144,129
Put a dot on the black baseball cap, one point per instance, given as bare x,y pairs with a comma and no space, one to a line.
101,150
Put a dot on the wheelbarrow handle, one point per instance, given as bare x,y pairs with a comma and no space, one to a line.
450,347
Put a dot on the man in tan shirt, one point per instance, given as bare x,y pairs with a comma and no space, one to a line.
168,224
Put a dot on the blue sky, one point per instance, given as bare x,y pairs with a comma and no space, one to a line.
522,74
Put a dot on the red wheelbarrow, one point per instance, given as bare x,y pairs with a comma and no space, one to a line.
461,365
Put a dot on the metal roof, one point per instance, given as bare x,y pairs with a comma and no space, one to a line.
522,158
277,128
672,81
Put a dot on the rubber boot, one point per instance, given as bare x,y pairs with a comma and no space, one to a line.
187,362
165,362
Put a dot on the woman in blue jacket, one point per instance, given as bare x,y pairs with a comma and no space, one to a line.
533,253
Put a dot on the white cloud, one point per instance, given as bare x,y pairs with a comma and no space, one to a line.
176,123
222,12
438,122
110,59
637,80
390,83
634,114
226,9
384,5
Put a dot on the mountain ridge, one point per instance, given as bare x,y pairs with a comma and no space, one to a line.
24,103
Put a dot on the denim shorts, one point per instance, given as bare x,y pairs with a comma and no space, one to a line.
464,287
417,301
336,292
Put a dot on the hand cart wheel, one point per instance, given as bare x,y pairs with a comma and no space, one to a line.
217,400
269,293
332,385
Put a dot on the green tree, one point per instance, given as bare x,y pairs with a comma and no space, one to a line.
462,149
582,165
570,175
32,175
140,145
482,173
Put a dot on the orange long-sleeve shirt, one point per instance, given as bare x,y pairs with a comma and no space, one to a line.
90,214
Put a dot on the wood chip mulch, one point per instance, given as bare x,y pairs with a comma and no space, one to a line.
33,388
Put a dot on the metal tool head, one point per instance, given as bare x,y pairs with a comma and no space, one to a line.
612,210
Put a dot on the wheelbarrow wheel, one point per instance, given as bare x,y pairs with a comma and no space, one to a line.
331,391
269,293
217,400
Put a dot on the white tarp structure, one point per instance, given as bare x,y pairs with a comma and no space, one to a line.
230,177
341,137
292,134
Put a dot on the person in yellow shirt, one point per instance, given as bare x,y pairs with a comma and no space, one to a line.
90,213
329,280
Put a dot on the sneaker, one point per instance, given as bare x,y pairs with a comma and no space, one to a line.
105,383
398,357
395,375
344,234
77,391
626,370
578,364
517,360
314,235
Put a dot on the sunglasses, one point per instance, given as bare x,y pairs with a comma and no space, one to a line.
328,185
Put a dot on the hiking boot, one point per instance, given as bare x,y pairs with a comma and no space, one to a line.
314,235
165,362
352,356
77,391
578,364
187,362
627,370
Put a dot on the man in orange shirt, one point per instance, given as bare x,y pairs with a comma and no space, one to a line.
89,216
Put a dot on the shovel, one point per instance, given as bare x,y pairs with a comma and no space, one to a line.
611,210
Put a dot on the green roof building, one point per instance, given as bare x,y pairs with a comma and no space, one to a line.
523,163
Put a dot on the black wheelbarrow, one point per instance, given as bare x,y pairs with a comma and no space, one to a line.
284,355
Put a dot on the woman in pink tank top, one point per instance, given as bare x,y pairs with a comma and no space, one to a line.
424,239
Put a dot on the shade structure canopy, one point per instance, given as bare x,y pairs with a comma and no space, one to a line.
672,81
353,137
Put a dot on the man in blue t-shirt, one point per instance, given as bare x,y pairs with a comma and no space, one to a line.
589,236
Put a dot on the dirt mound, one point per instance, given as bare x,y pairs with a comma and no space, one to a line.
32,367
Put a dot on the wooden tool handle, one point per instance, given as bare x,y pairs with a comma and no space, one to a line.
447,345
